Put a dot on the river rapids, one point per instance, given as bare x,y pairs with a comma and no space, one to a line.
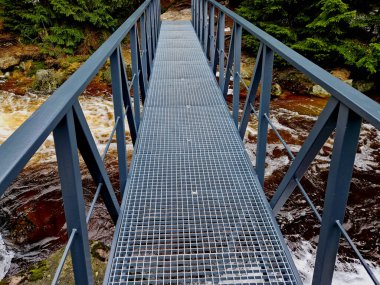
32,222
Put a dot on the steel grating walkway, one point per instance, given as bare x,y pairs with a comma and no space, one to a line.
194,212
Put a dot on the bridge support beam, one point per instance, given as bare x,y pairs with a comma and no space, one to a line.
230,61
262,135
236,76
253,87
338,186
210,51
219,48
205,27
91,157
322,129
144,59
135,75
118,89
148,43
72,194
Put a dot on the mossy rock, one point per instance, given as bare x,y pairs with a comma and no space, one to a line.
43,272
39,270
294,81
35,66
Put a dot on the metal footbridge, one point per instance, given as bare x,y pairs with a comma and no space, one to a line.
193,209
194,212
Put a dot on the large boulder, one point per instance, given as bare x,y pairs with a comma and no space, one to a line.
7,62
294,81
319,91
45,81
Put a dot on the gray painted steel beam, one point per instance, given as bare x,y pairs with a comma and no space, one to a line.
117,94
230,61
135,76
338,187
72,194
352,98
267,70
91,157
236,75
253,87
322,129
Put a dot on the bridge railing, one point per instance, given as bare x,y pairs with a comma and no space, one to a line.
63,116
344,113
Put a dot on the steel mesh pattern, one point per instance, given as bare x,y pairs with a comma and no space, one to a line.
175,54
188,129
176,28
203,92
176,23
197,219
179,35
180,70
194,212
179,44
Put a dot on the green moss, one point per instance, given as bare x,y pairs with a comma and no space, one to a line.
39,270
43,272
36,65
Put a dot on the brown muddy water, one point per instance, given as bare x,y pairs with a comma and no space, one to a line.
32,222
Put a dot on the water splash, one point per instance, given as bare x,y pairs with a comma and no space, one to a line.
349,272
5,258
15,109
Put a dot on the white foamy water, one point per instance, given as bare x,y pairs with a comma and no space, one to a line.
14,110
5,258
98,110
352,272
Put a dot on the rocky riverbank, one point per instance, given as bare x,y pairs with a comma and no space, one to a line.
42,272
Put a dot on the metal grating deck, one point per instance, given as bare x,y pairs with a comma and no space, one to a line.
194,212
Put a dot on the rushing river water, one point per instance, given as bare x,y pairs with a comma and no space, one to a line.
32,219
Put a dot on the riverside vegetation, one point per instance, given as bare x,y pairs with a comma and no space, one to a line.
42,42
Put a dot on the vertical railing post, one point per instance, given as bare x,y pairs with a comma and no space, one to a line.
135,75
153,24
158,16
221,43
236,88
205,26
253,87
338,186
142,78
196,9
127,100
155,11
148,42
264,110
211,43
117,94
199,18
192,13
201,25
72,194
230,61
144,60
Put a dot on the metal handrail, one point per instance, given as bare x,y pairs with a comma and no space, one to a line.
63,115
17,150
344,112
355,100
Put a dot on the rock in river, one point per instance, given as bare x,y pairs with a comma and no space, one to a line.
8,62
